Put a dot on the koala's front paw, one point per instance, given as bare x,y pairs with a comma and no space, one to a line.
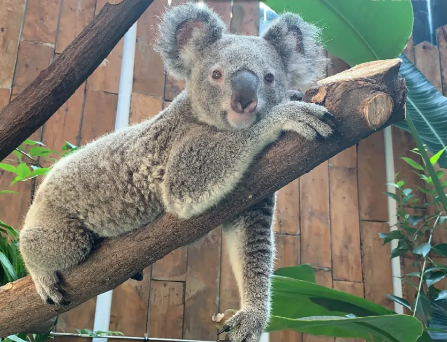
48,286
245,325
310,120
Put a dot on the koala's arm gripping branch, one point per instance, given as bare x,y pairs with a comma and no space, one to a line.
54,85
364,99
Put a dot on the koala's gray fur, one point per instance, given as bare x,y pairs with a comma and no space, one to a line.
189,157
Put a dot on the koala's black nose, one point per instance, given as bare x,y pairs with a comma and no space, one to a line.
245,86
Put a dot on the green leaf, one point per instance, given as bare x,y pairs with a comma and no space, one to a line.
441,249
303,272
10,230
414,220
8,192
23,170
39,172
400,300
68,146
393,196
396,252
388,328
395,234
414,274
15,180
413,163
38,151
435,158
18,155
8,268
407,191
355,30
440,174
422,249
423,309
426,108
32,142
434,277
16,338
9,168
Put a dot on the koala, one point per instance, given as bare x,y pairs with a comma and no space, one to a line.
190,156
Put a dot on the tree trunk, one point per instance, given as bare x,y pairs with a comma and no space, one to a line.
54,85
364,99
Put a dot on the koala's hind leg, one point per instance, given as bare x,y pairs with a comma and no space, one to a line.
46,251
250,244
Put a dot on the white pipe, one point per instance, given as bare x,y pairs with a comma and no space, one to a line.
392,216
104,300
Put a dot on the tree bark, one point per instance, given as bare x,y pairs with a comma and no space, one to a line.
54,85
364,99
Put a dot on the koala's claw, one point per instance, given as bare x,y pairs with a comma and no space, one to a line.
329,119
245,325
138,277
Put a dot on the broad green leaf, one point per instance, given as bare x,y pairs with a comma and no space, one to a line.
302,272
18,155
16,338
442,295
15,180
396,252
356,31
423,308
8,167
32,142
434,277
7,267
316,300
414,220
422,249
413,163
23,170
441,249
387,328
393,196
39,172
68,146
401,301
426,107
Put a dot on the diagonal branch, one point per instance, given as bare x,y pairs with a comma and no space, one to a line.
54,85
364,99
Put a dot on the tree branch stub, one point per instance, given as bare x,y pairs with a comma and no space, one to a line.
292,156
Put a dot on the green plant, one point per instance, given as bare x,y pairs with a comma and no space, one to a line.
299,304
414,234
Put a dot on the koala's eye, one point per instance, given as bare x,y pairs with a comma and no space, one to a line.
217,74
269,78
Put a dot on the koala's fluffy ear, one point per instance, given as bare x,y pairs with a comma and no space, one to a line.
297,42
183,32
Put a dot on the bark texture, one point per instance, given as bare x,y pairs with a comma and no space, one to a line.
364,99
54,85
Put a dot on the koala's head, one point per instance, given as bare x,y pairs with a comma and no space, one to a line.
233,80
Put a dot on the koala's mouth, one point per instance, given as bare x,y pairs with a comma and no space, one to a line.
240,120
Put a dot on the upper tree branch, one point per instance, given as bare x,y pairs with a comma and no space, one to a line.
364,99
54,85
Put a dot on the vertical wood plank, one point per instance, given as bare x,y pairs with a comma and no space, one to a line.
426,57
41,21
149,76
11,17
376,264
143,107
172,266
130,306
287,250
32,58
355,289
345,230
75,16
372,179
167,304
314,208
441,33
287,216
202,293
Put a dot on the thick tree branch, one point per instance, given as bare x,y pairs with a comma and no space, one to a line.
364,99
54,85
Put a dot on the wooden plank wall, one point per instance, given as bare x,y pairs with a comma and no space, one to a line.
329,218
